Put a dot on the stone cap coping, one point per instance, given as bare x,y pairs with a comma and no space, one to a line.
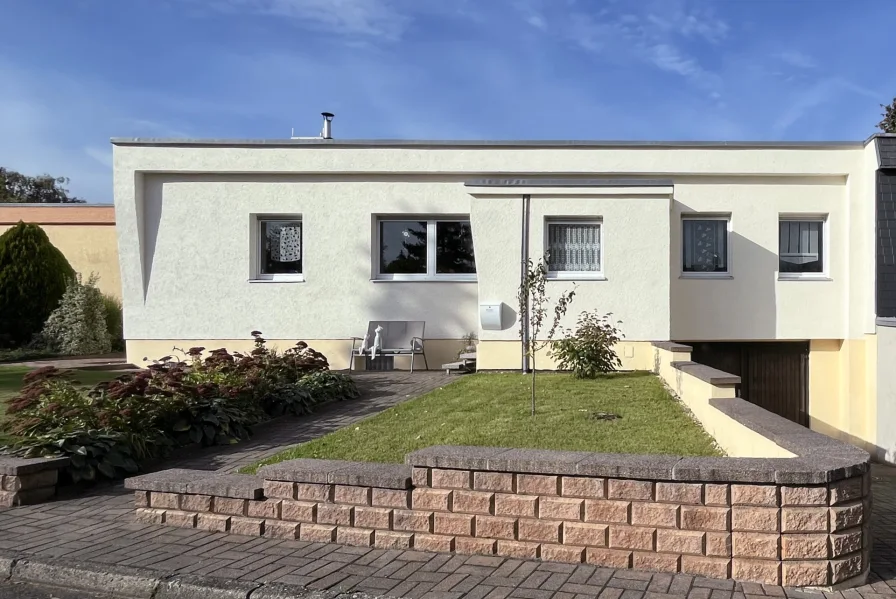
199,482
711,375
819,459
672,346
339,472
12,466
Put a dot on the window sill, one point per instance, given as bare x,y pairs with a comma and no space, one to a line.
424,280
298,279
804,278
706,275
576,277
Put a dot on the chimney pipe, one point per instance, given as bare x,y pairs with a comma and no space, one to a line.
326,132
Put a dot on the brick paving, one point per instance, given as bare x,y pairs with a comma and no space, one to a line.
100,528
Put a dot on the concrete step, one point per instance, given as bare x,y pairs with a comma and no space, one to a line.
461,366
467,356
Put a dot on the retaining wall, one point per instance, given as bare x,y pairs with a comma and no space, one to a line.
790,506
28,480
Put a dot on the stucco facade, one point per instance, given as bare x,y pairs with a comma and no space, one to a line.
187,217
84,233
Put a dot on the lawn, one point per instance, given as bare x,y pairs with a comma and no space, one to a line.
493,410
11,383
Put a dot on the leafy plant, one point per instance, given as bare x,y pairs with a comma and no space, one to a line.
589,350
468,341
325,386
33,274
78,326
533,303
93,453
118,425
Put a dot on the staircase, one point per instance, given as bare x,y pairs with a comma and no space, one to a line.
466,362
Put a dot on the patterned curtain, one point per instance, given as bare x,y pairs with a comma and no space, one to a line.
705,246
574,247
285,243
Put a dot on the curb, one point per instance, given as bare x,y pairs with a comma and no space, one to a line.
143,583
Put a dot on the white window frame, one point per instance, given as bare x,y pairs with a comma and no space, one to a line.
258,224
727,274
575,275
431,246
825,247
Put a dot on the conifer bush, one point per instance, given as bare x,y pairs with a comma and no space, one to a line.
33,274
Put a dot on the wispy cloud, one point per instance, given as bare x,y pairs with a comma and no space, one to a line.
370,18
797,59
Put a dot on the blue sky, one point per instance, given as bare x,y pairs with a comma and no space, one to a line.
74,73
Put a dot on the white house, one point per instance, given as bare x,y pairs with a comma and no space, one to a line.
761,255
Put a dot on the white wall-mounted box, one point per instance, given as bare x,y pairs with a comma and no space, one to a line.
490,317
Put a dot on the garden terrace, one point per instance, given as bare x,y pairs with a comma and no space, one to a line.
800,521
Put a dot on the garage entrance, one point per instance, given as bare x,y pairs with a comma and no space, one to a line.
774,375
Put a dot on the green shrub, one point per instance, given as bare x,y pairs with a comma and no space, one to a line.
78,326
590,349
114,321
118,425
325,386
33,276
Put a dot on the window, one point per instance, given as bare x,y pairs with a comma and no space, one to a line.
279,249
425,250
801,247
704,245
573,249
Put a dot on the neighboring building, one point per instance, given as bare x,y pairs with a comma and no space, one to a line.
761,255
84,233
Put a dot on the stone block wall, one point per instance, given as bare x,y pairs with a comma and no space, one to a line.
800,534
26,481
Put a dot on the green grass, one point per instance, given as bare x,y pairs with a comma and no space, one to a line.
11,383
493,410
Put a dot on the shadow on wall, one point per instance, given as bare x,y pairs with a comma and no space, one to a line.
742,307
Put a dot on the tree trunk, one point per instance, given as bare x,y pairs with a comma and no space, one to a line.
533,383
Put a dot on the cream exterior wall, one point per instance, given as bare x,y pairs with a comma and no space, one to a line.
181,282
88,248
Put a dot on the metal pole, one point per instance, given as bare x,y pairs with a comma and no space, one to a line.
524,251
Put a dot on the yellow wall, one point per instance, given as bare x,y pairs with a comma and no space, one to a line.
843,389
506,355
438,351
733,437
87,247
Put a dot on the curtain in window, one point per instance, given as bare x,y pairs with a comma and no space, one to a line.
705,245
800,241
574,247
286,243
800,246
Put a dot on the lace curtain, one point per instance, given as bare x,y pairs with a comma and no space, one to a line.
574,247
285,242
705,245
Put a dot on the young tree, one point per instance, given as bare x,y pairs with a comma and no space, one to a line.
533,303
888,123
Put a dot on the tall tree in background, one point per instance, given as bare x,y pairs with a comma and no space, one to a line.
888,124
16,188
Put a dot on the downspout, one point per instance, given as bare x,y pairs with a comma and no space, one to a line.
524,257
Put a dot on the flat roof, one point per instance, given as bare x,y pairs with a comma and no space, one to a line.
476,143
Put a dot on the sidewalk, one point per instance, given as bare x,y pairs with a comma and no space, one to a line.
100,529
